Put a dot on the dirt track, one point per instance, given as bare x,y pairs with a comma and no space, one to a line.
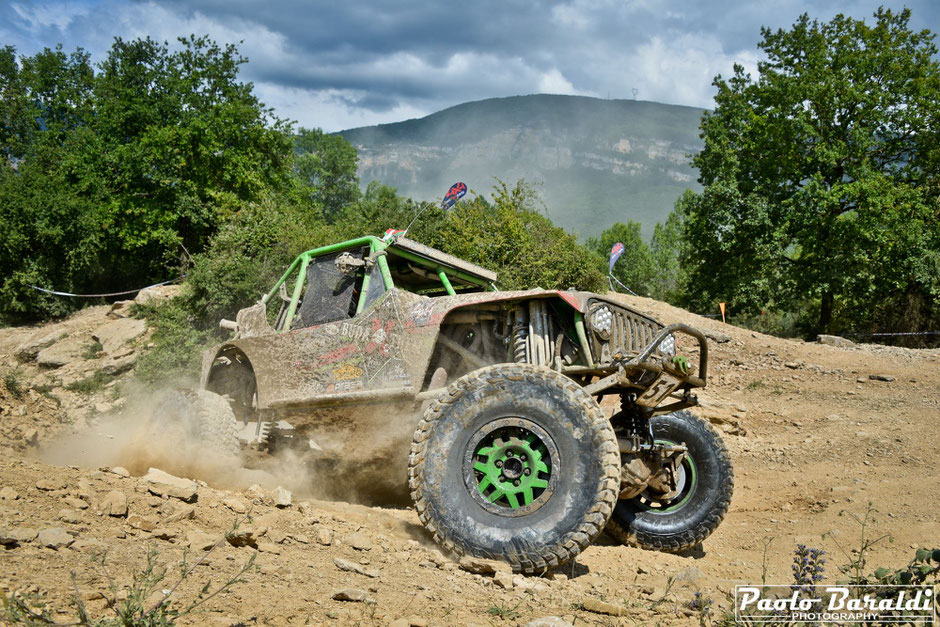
822,437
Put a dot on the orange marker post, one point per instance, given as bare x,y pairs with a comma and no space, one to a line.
721,306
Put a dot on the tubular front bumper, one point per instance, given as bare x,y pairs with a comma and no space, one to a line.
667,381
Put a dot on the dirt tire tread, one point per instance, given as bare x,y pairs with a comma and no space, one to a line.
573,542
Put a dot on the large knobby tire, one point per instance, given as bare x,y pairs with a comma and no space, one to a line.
201,417
508,423
686,520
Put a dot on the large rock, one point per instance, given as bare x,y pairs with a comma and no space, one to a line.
114,503
115,334
117,365
352,567
717,336
835,340
164,484
31,347
481,566
603,607
156,294
55,538
243,536
282,497
19,535
62,353
352,594
200,541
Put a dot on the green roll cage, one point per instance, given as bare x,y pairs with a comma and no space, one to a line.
443,271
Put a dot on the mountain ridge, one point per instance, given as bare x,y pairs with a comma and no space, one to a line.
595,161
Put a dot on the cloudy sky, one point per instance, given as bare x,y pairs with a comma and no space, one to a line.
343,64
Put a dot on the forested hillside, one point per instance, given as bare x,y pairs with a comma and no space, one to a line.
595,162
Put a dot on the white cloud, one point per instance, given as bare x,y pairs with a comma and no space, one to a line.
329,109
553,82
40,15
368,62
680,69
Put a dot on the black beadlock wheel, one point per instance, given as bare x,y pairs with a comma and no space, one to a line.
515,462
705,484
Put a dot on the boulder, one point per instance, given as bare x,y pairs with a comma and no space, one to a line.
243,536
352,567
325,536
31,347
481,566
835,340
141,522
55,538
157,294
352,594
359,541
18,535
115,334
119,309
118,365
62,353
603,607
235,505
282,497
164,484
200,541
114,503
717,336
549,621
185,512
50,485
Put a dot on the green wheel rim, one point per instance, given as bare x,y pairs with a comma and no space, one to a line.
511,466
690,475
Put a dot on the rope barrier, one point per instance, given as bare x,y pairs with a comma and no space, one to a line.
139,289
890,334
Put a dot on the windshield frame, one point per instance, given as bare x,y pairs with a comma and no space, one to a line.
376,253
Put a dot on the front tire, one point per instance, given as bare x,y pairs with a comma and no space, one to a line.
515,462
707,479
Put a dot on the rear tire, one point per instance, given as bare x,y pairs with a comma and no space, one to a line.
204,417
693,515
515,462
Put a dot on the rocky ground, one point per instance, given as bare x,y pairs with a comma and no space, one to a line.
816,433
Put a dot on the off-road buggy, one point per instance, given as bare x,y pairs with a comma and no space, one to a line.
511,456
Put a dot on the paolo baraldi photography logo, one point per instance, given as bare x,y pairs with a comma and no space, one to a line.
836,604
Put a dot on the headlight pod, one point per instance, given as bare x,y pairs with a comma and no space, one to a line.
601,321
668,346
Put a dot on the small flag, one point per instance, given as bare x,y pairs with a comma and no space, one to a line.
391,234
455,193
721,306
615,253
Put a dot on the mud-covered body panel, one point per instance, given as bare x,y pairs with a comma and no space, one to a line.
382,352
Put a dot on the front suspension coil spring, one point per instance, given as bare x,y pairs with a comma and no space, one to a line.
636,422
520,336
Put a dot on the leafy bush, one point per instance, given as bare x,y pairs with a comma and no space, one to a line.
178,341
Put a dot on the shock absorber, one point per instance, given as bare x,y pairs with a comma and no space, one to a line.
636,423
520,335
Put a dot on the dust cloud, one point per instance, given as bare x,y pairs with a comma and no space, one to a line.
358,458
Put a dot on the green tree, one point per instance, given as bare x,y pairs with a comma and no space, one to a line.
821,176
509,234
108,177
668,277
327,164
634,268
